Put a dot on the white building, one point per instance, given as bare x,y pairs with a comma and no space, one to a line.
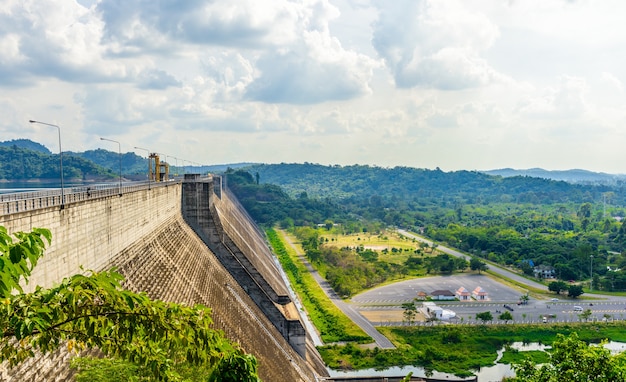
430,309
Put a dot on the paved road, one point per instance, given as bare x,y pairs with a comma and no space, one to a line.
381,341
504,272
496,269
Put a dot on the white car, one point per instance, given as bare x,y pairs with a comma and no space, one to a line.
554,300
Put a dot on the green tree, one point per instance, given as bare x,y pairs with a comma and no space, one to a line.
505,316
484,316
409,312
94,311
573,360
557,286
584,211
526,268
461,263
585,314
17,259
574,291
477,264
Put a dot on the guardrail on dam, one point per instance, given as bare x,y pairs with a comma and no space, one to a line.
177,241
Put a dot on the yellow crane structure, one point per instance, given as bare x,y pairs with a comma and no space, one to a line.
160,171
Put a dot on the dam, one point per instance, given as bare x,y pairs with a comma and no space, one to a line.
186,241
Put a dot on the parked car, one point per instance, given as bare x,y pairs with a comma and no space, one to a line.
554,300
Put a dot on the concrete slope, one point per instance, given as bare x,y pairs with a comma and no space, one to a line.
173,264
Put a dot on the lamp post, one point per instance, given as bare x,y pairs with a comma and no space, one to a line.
119,148
177,168
173,169
591,274
60,158
149,163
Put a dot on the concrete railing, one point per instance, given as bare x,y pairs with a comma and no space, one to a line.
29,201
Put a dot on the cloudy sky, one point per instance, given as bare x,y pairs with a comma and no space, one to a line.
464,84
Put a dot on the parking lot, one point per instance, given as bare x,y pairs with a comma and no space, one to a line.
406,291
384,304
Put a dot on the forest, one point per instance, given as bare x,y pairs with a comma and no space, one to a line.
25,160
518,221
18,163
521,222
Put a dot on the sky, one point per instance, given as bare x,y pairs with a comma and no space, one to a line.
454,84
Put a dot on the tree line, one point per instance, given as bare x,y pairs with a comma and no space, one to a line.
562,229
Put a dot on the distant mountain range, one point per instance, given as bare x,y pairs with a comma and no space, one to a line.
25,160
14,167
570,176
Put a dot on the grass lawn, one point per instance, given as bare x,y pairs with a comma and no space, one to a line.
391,246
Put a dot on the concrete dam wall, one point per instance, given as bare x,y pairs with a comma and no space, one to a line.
179,242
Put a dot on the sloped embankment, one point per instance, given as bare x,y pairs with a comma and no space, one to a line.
173,264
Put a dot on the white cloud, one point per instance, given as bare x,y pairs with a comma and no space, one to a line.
448,83
565,102
434,44
613,81
155,79
318,71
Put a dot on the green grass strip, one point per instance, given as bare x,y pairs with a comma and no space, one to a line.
329,320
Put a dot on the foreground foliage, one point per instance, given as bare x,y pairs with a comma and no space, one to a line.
94,311
574,360
236,366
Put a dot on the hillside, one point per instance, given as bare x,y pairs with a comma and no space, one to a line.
515,221
404,183
19,163
132,163
571,176
26,144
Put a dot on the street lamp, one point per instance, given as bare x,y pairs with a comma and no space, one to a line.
184,167
177,168
119,148
60,158
149,163
591,274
